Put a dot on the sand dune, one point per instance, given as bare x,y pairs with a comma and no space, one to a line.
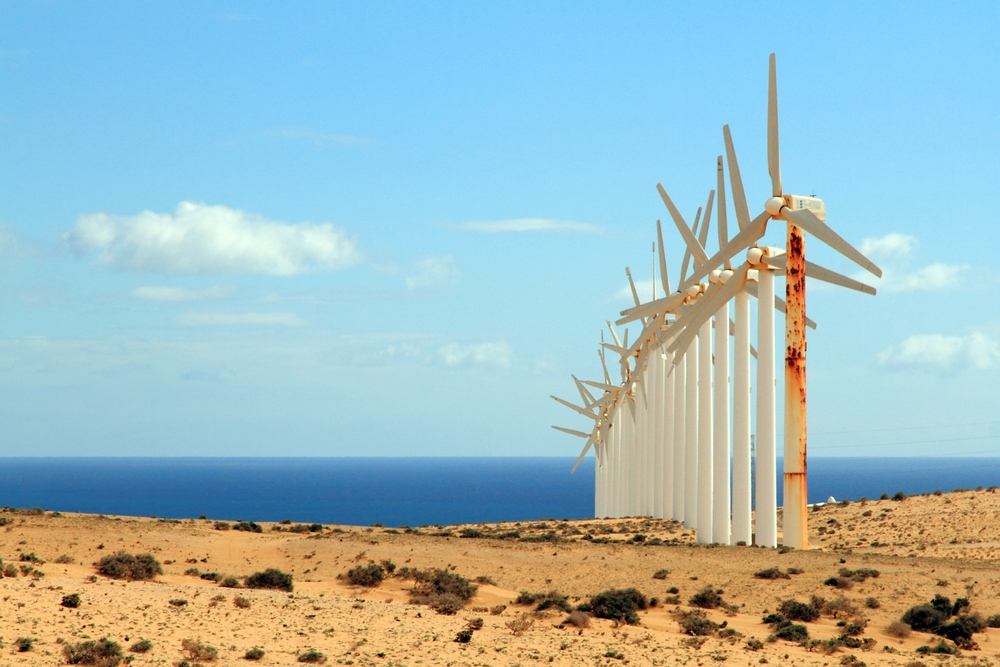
921,546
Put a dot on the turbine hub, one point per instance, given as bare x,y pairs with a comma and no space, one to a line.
693,290
754,255
713,277
773,206
725,276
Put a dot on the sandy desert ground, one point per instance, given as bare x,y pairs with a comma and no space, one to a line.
921,547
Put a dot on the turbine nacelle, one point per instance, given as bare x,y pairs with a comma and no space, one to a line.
796,203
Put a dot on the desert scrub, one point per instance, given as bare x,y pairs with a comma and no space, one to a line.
578,619
271,578
123,565
772,573
24,644
661,574
313,656
241,602
518,626
498,609
696,625
370,575
103,652
707,598
798,611
230,582
255,653
222,525
141,646
71,601
198,651
464,636
554,600
248,526
178,602
32,558
65,560
443,591
619,605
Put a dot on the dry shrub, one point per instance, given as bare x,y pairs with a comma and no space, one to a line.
441,590
102,653
578,619
124,565
241,602
518,626
198,651
898,629
496,610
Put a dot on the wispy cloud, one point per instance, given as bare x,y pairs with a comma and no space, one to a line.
239,320
644,289
942,354
530,225
894,252
176,294
321,139
488,354
432,271
201,239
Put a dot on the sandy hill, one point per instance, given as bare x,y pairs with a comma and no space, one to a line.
920,547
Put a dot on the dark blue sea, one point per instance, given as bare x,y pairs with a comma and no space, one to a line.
401,491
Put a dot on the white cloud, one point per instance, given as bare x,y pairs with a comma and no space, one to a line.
891,245
489,354
942,353
202,239
432,271
894,250
239,319
321,138
175,294
530,225
930,278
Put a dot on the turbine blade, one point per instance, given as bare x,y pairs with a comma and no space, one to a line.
706,221
665,305
687,251
805,219
604,365
615,348
586,448
723,223
745,239
601,385
579,434
664,277
826,275
614,334
753,352
739,197
689,238
773,159
631,284
575,408
588,398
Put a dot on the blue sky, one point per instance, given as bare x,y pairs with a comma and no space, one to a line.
395,229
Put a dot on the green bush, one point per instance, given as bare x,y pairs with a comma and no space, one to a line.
619,605
24,644
255,653
124,565
661,574
792,632
443,591
248,526
463,636
798,611
230,582
772,573
698,627
924,617
313,656
470,533
370,575
554,600
271,578
71,601
103,652
707,598
141,646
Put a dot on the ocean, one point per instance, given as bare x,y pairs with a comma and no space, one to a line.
401,491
